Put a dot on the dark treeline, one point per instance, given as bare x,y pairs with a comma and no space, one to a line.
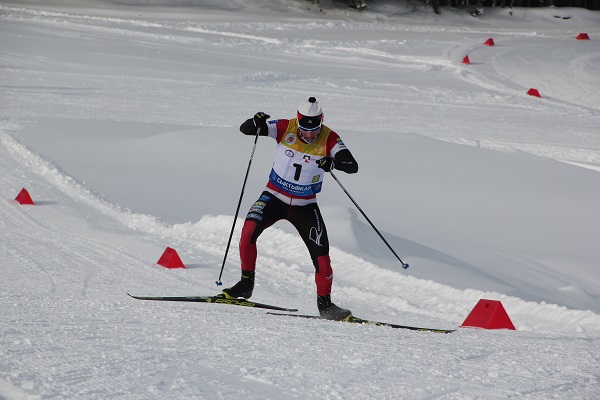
589,4
477,6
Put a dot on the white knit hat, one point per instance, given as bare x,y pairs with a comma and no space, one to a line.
310,115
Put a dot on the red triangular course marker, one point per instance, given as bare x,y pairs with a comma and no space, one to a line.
466,60
534,92
583,36
489,42
488,314
24,198
170,259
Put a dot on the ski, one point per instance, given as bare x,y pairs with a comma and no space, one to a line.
218,299
355,320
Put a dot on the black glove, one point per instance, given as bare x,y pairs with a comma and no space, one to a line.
260,120
326,163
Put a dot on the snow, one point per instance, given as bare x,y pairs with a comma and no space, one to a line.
121,119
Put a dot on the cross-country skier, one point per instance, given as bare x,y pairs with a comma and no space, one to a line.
306,149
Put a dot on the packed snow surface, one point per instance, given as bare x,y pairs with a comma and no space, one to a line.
121,119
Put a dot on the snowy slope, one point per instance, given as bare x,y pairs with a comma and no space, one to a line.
122,122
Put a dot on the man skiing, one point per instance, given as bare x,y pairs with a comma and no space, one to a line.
306,149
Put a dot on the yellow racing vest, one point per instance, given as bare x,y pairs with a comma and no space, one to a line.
295,172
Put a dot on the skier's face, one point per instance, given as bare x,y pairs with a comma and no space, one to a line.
309,136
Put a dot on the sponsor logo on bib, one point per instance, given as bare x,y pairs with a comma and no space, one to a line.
290,138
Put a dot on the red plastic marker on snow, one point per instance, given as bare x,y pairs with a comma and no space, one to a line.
24,198
583,36
170,259
534,92
488,314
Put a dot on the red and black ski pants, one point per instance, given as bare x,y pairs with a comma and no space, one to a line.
307,219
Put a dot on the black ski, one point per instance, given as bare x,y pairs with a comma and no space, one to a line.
355,320
219,299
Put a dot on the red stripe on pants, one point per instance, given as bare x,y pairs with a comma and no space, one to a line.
324,276
247,247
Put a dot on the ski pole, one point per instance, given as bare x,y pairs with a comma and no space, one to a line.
404,265
218,282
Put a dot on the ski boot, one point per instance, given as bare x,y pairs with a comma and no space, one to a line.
330,311
243,288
